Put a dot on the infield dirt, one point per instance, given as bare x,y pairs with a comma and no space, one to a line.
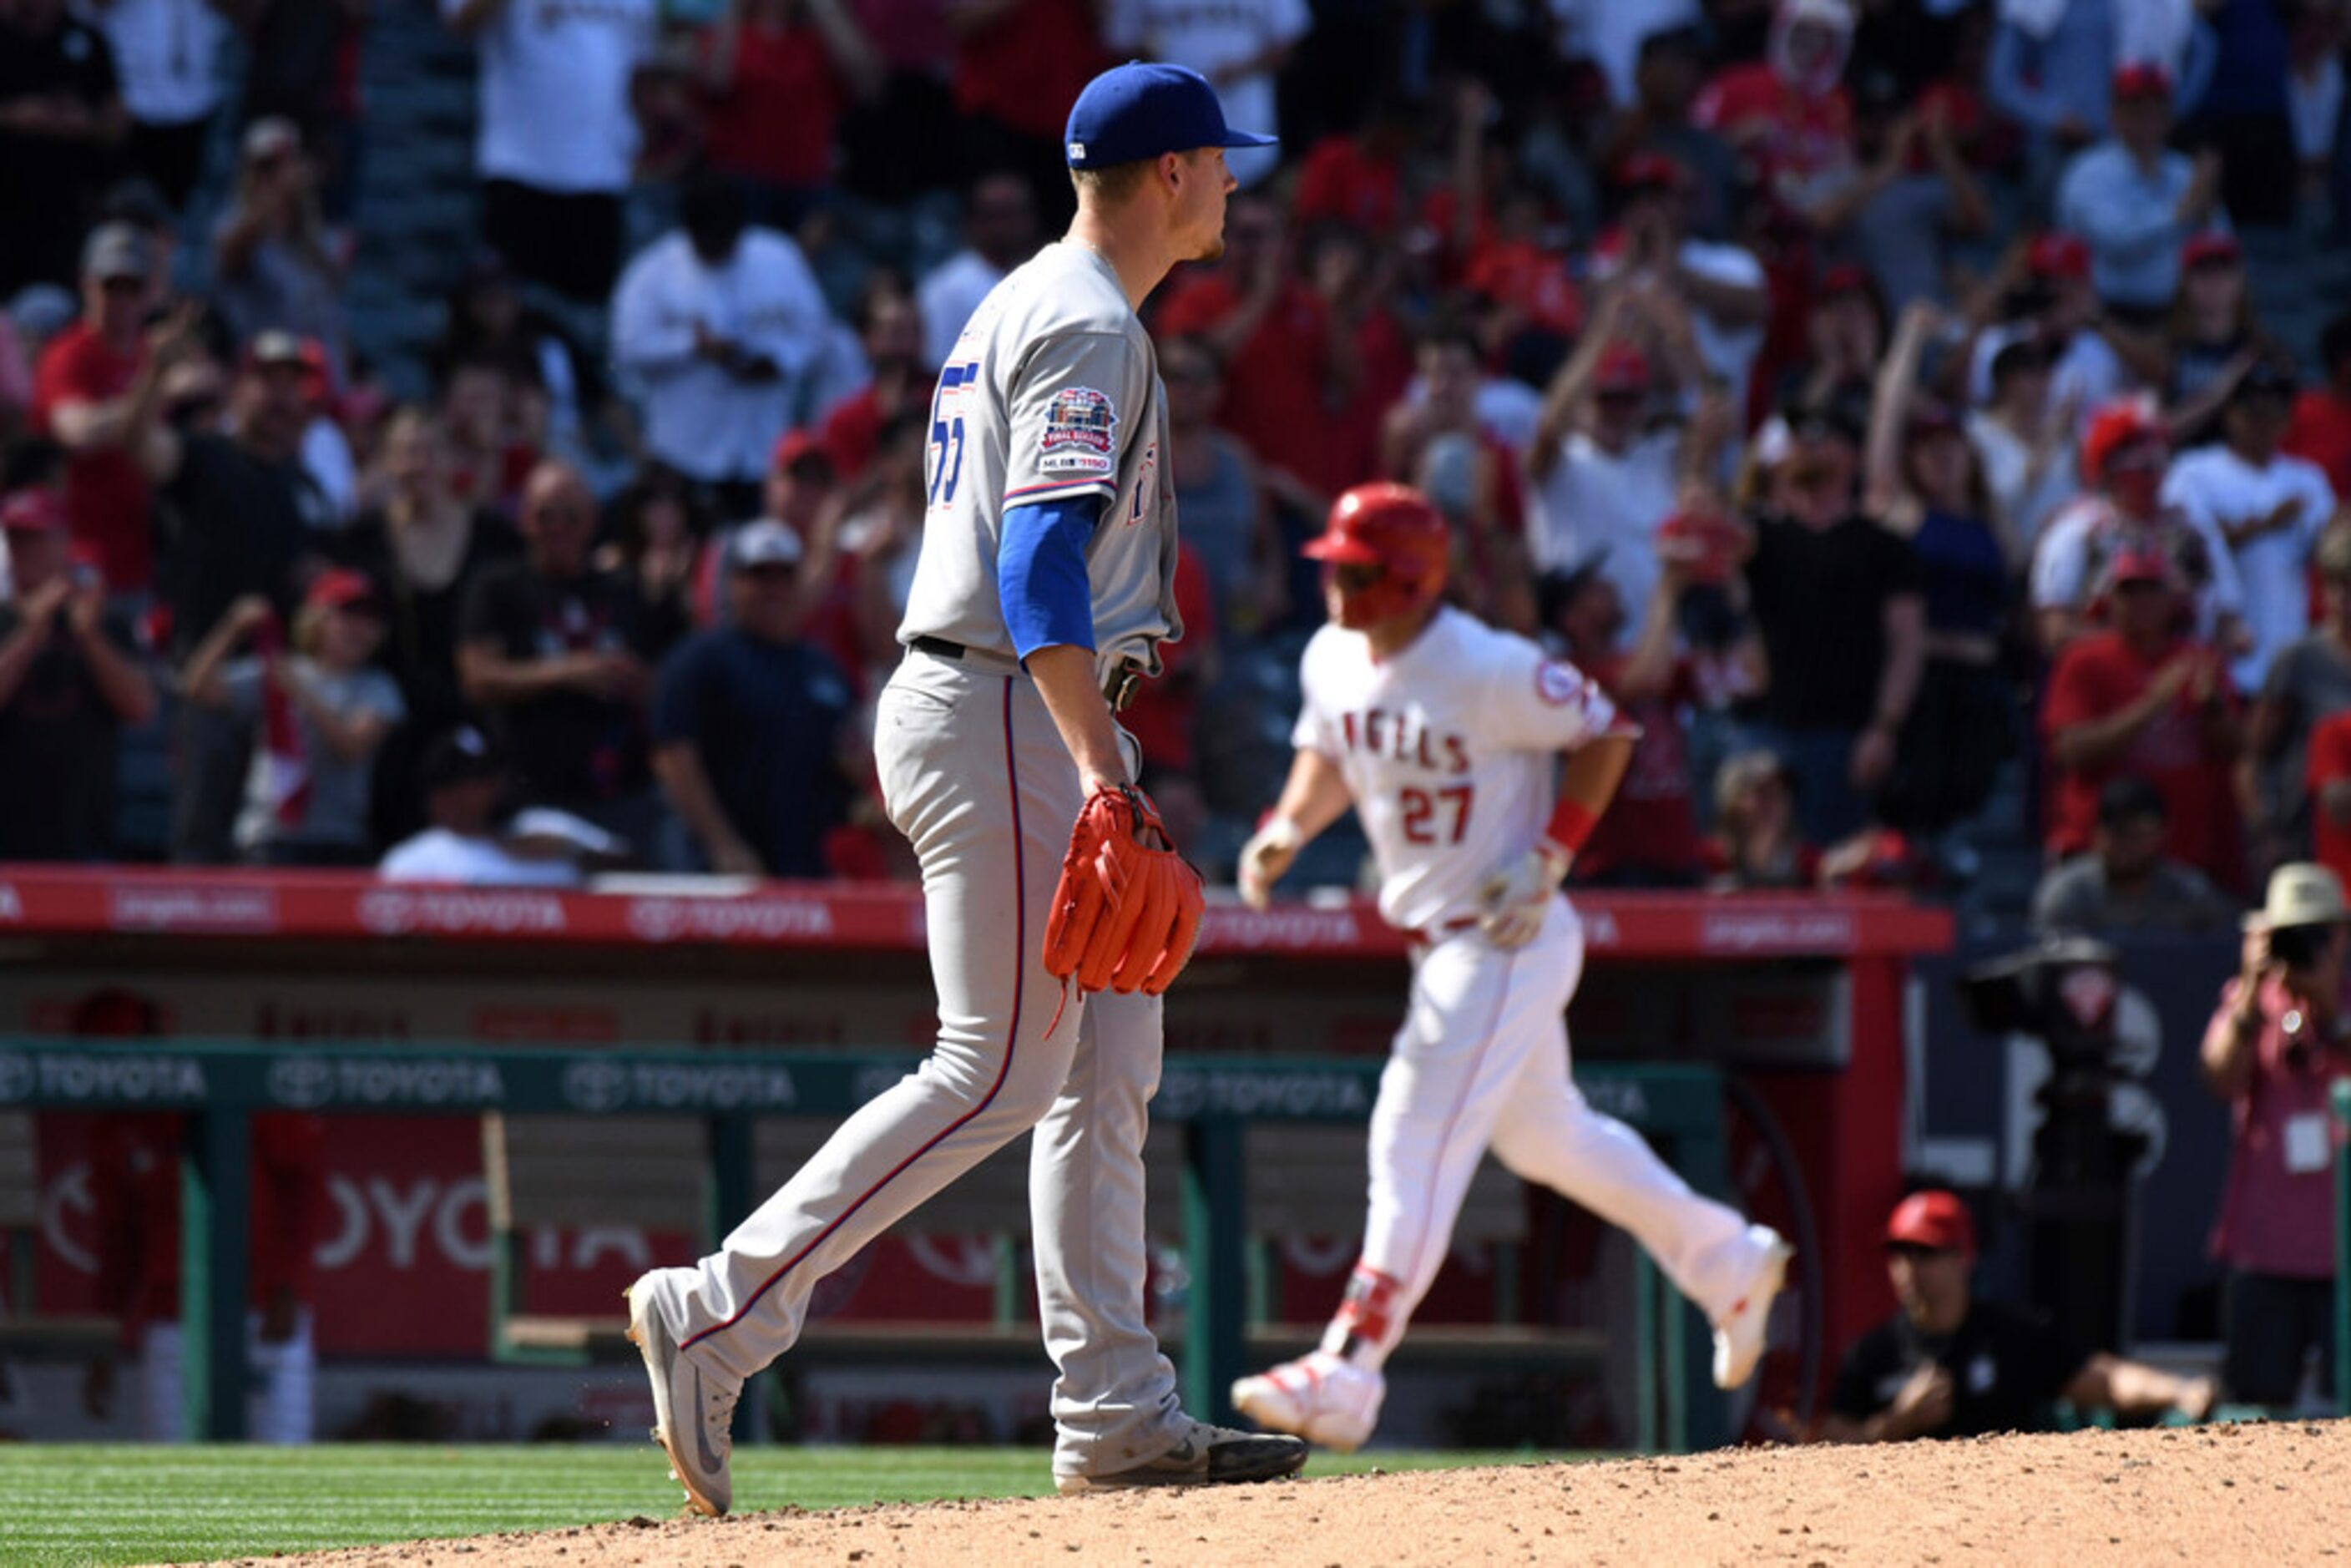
2274,1494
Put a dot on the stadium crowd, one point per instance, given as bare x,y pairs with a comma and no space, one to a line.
1871,394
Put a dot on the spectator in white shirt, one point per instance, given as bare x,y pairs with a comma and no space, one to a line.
167,53
1723,284
2056,304
2125,450
1239,48
2023,441
1604,476
558,131
720,323
999,233
465,784
2266,509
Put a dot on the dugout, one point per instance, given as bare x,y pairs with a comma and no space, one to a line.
1801,998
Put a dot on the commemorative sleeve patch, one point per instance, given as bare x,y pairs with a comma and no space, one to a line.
1080,425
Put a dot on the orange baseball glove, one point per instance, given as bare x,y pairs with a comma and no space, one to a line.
1127,911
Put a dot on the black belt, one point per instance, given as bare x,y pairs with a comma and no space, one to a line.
1118,691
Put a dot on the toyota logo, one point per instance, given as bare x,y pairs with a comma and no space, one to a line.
302,1081
593,1085
658,919
387,912
16,1077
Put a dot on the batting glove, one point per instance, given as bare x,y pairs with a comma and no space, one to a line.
1517,898
1265,857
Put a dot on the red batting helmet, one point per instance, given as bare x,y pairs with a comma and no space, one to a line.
1394,529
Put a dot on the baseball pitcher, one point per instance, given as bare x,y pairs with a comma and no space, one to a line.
1043,590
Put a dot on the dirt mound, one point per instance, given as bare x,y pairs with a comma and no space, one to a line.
2220,1494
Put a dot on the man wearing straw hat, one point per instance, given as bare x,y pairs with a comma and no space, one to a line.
2280,1038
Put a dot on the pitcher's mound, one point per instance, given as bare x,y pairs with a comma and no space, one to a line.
2269,1495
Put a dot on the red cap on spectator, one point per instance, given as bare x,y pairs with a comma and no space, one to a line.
2144,563
1622,369
2210,245
2113,428
1934,1218
1648,171
791,446
34,511
2142,78
339,589
2059,255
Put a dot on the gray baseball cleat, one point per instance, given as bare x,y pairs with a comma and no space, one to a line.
693,1408
1207,1457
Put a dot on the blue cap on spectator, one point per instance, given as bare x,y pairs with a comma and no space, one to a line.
1134,112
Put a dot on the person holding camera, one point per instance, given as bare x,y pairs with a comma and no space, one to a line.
2279,1041
69,682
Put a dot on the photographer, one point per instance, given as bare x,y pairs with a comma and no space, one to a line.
69,682
2279,1039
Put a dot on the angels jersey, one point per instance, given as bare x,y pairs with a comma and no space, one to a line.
1449,749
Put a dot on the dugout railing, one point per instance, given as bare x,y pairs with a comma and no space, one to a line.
1214,1102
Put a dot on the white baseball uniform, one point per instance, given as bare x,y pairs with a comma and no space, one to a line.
1449,750
1051,393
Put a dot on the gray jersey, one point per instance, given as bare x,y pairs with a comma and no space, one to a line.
1051,393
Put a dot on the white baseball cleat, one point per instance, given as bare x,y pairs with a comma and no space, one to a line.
694,1409
1738,1334
1321,1397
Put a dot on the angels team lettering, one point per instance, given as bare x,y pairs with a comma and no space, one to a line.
1403,738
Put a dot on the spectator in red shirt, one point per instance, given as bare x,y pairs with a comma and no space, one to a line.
1757,842
1163,717
776,75
2321,429
1650,836
2329,778
2275,1046
1284,375
2141,699
1357,285
1018,66
82,397
1358,178
890,328
1788,113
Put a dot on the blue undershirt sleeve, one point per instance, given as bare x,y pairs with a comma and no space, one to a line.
1041,573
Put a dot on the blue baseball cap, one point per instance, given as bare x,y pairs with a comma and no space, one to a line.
1134,112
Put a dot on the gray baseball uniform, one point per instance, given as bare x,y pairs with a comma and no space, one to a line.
1051,393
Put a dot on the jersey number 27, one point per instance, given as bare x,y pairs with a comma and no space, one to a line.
1426,814
944,458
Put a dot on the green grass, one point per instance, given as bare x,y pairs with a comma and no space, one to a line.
78,1505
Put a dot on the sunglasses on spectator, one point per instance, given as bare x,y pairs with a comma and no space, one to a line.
126,284
1915,1252
564,512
